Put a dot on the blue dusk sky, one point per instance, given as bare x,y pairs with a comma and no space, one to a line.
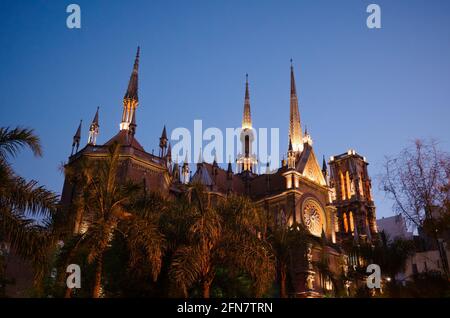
372,90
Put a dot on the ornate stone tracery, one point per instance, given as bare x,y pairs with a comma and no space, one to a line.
313,216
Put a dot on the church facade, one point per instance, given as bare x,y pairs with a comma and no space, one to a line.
332,202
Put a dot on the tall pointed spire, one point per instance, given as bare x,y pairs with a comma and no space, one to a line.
131,100
132,91
246,160
93,130
76,139
295,130
247,120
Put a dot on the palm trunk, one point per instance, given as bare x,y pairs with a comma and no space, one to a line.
68,293
206,289
283,291
98,278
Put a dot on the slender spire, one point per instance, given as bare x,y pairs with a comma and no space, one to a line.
131,100
185,174
132,91
268,166
293,88
93,129
247,120
169,153
229,168
186,159
295,130
164,133
76,139
77,135
200,158
95,120
324,164
163,142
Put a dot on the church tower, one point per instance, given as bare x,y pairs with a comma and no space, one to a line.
131,100
246,161
351,184
295,129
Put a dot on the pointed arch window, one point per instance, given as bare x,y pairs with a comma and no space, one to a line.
349,186
342,185
352,224
344,219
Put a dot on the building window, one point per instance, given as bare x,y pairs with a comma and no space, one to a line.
352,224
345,222
342,185
347,177
361,188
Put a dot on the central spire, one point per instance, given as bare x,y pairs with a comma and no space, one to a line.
246,161
295,129
131,100
247,120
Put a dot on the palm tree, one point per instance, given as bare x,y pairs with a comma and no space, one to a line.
23,203
284,239
227,235
108,206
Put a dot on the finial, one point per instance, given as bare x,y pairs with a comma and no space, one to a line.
136,60
200,158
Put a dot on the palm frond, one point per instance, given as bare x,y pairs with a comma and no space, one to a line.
186,267
28,197
13,140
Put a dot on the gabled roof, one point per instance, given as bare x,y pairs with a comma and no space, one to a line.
123,137
202,176
307,163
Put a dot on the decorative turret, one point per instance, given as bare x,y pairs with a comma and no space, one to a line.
215,166
131,100
93,130
200,160
291,156
176,172
307,138
229,171
76,139
163,142
169,153
324,168
185,173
